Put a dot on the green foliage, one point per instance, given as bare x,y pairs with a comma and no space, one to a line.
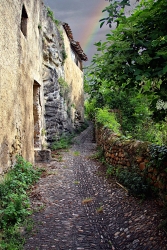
14,202
134,54
76,153
110,171
115,11
57,22
64,54
136,184
63,143
158,155
129,73
50,13
63,83
90,108
64,88
107,119
151,131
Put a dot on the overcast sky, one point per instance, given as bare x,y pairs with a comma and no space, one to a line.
83,18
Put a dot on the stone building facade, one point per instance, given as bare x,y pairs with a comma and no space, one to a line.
34,105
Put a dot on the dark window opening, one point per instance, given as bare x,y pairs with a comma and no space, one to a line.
24,19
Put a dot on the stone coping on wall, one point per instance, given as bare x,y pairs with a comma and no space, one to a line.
128,153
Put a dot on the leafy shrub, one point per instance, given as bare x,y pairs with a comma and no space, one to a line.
50,13
64,54
136,184
110,170
107,119
90,108
158,154
14,202
63,143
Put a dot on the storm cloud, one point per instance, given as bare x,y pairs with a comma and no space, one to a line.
82,15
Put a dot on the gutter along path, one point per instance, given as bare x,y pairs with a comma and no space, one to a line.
109,219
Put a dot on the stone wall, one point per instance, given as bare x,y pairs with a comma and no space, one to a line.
34,109
20,67
56,118
64,105
74,78
133,153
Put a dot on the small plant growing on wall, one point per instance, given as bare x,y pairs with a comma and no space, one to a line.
64,88
50,13
63,143
64,54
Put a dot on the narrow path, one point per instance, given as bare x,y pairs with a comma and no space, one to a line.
109,219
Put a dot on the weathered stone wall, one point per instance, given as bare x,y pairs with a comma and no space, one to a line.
34,107
57,117
74,78
20,66
132,153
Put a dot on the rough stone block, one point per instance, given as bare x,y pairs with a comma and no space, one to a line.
142,166
42,155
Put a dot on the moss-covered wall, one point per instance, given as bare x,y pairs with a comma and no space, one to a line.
133,153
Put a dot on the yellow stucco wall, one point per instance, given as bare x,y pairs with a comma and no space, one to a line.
74,78
20,65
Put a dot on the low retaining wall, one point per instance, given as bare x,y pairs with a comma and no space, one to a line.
127,153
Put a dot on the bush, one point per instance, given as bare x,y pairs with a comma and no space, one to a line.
15,203
135,183
107,119
90,109
63,143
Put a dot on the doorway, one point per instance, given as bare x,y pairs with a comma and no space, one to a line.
36,114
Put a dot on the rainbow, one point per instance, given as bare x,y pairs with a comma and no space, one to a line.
92,27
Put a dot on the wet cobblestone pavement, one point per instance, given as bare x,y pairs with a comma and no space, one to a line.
81,210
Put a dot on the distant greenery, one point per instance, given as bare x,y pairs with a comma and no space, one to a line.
64,142
103,116
15,203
